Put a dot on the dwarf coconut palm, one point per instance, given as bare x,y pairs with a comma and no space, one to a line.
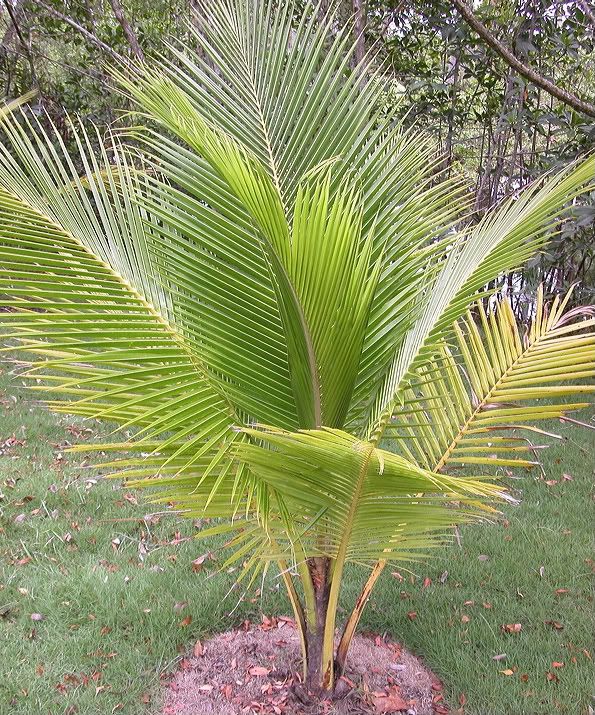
269,283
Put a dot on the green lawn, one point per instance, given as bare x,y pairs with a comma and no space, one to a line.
118,598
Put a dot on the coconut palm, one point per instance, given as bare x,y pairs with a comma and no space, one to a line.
268,284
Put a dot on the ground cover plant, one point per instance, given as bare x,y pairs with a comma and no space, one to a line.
271,302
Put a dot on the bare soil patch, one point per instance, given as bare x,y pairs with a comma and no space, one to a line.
255,670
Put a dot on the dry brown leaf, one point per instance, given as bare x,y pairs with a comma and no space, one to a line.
512,628
554,624
390,702
258,671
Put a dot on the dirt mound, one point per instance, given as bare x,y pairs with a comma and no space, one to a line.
256,670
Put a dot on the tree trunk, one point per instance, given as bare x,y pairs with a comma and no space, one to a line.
127,30
317,679
359,27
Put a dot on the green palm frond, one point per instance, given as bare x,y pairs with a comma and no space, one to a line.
455,412
7,107
353,501
76,271
503,240
94,338
286,95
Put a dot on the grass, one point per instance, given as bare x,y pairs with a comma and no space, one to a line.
120,599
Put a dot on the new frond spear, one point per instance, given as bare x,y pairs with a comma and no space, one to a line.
273,289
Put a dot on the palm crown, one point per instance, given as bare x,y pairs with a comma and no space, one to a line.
269,281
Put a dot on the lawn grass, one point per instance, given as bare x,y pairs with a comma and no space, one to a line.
121,600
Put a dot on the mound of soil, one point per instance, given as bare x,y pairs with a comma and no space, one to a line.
257,670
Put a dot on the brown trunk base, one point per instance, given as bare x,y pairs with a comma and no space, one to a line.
257,670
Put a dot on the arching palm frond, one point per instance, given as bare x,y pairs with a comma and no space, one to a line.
461,412
505,238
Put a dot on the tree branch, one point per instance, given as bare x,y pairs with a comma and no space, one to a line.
14,14
588,13
127,29
528,72
93,39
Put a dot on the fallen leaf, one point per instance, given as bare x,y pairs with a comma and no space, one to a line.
552,677
551,482
37,617
227,691
554,624
180,605
541,571
465,619
197,564
390,702
508,671
567,477
198,649
511,628
483,557
562,591
441,710
557,664
397,575
443,577
500,656
412,615
185,622
427,582
258,671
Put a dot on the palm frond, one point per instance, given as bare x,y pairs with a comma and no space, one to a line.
462,412
505,238
77,274
356,502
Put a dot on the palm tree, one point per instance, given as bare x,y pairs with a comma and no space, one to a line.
268,283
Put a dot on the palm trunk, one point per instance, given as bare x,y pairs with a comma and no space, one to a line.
323,665
318,679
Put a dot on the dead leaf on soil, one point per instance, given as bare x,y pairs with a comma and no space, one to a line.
258,671
390,702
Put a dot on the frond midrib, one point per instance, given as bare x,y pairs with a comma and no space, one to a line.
485,400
